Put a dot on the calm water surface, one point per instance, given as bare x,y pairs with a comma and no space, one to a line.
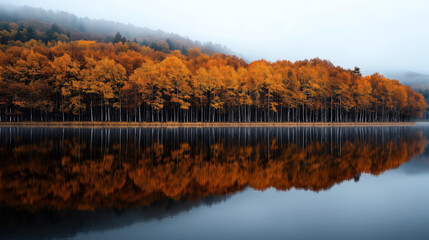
214,183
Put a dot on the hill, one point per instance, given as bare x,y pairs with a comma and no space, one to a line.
21,23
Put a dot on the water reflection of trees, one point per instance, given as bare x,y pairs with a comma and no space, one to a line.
121,168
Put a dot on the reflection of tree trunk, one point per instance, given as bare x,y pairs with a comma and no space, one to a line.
357,177
92,116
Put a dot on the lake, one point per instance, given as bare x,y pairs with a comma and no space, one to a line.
215,183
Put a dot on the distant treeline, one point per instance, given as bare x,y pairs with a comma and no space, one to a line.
25,23
89,81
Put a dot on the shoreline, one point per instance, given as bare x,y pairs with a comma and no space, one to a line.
202,124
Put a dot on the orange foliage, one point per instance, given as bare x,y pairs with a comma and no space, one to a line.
88,176
89,81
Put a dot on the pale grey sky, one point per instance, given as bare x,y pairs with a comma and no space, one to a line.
376,35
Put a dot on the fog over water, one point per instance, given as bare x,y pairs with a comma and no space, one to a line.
383,36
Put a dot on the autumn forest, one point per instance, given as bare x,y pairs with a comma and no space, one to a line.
128,82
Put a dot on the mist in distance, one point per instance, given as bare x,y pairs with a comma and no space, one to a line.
383,36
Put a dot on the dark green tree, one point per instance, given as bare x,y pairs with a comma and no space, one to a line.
119,38
31,34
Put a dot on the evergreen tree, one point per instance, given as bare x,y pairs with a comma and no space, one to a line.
119,38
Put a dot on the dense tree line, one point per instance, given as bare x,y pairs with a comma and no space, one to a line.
16,34
89,81
12,32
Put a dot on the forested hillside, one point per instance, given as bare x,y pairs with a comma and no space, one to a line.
91,81
25,23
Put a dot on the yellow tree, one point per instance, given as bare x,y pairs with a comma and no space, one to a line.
66,71
243,94
363,97
289,88
199,87
36,74
176,76
346,100
230,91
310,88
149,85
106,79
262,79
214,88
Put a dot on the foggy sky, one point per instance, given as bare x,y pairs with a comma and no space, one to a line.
377,35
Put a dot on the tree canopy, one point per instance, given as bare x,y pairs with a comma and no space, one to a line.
90,81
